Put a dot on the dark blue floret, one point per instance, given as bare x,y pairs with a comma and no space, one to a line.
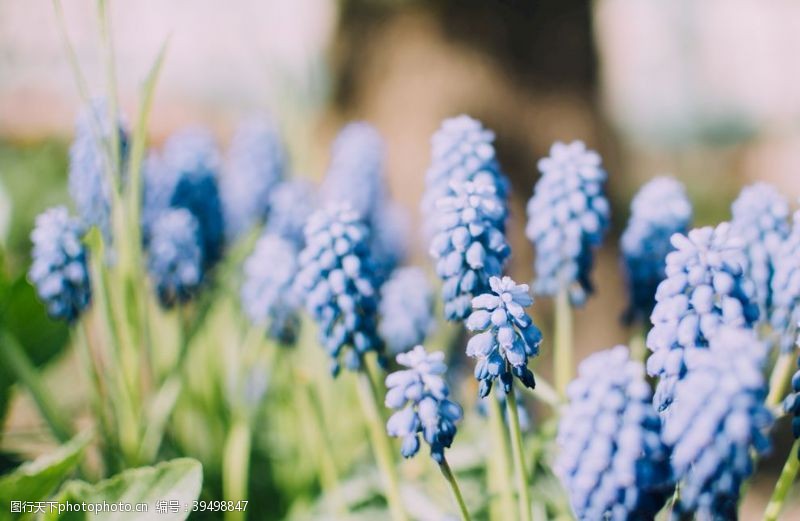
268,297
338,285
89,166
420,395
506,336
60,269
611,459
175,256
659,210
255,165
716,422
406,310
705,288
568,217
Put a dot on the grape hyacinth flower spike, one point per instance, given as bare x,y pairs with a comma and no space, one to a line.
785,314
268,297
406,310
760,218
705,288
60,271
175,257
470,244
506,336
255,166
338,285
718,419
291,203
568,216
611,459
659,210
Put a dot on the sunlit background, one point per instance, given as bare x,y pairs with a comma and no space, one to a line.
706,91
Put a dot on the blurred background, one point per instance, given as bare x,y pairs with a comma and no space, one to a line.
706,91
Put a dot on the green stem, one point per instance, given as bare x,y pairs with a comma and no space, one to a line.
17,360
519,457
784,484
236,466
781,374
98,393
380,445
637,344
451,479
501,454
563,363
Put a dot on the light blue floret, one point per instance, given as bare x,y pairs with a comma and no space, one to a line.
611,459
60,269
658,210
406,310
760,219
256,163
338,285
291,203
175,256
717,421
420,396
470,244
268,297
568,217
505,335
705,288
786,289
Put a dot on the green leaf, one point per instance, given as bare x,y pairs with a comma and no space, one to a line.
37,479
178,480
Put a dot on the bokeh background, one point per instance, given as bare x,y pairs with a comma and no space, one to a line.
706,91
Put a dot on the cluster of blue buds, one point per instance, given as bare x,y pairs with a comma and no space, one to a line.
568,216
717,419
89,161
255,165
268,297
175,256
460,150
791,404
786,289
506,336
291,203
704,289
658,210
60,269
337,283
420,396
611,459
760,219
470,244
406,310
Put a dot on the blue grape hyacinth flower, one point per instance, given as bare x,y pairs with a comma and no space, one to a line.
718,419
291,203
705,288
660,209
406,310
791,404
191,164
461,149
760,218
175,256
470,244
338,285
89,165
506,336
419,394
268,297
786,289
568,216
255,165
611,459
60,271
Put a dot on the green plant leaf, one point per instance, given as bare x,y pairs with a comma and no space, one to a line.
37,479
177,481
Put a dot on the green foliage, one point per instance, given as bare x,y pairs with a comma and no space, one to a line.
176,480
37,479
